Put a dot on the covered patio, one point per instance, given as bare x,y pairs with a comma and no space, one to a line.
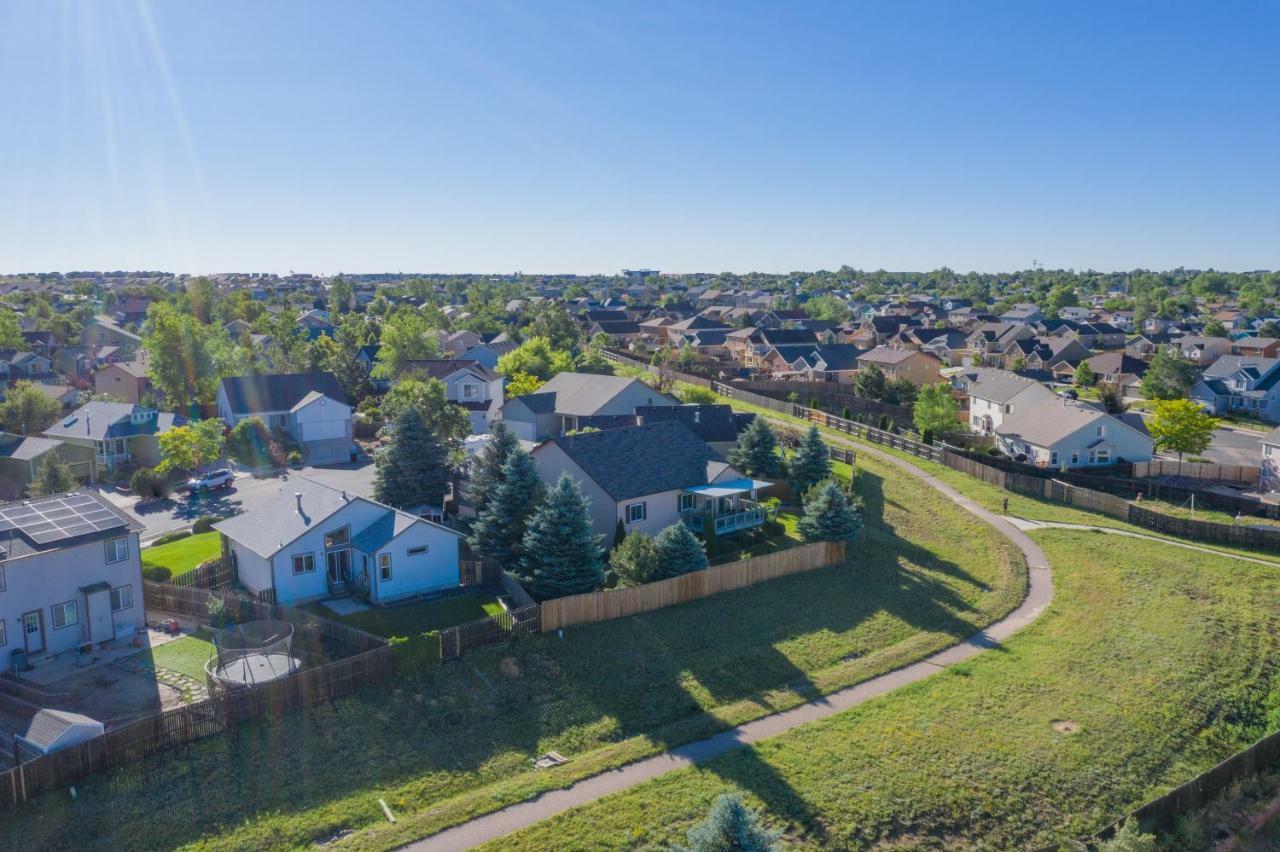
731,505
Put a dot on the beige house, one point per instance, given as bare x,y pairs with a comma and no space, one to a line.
126,381
916,366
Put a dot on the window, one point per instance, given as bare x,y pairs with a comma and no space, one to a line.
1104,457
337,538
117,550
4,639
1100,430
415,551
384,566
65,615
1053,457
686,502
635,512
1075,456
470,391
121,598
304,563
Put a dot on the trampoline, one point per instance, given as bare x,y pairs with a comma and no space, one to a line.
251,654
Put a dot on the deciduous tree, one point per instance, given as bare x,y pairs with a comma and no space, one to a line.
27,411
536,357
635,560
1168,376
406,336
935,410
187,448
52,477
448,422
1181,426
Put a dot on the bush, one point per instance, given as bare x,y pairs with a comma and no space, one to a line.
295,458
696,394
156,573
176,535
204,524
149,484
218,616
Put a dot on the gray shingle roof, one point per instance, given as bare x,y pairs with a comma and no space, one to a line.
585,394
639,460
100,420
255,394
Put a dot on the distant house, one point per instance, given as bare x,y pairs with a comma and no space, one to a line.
716,424
311,542
1062,432
311,407
467,384
650,477
1203,351
1119,369
17,366
454,343
487,354
994,395
1022,312
315,323
127,381
916,366
1256,347
20,459
103,330
111,434
572,401
1235,384
69,573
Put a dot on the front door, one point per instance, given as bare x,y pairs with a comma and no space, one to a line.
339,565
33,631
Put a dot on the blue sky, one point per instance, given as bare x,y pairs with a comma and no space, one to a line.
585,137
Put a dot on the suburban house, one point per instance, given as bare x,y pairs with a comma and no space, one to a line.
1066,433
311,542
103,330
1236,384
487,354
995,395
125,380
1117,368
1269,479
20,458
454,343
1043,353
309,406
572,401
1256,347
916,366
100,435
70,575
650,477
1203,351
17,366
468,384
1022,312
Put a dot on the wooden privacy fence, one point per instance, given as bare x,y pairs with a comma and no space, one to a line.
211,574
514,623
833,395
1197,470
620,603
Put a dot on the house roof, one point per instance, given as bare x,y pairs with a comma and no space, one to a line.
712,422
47,727
1228,365
885,355
25,448
997,385
584,394
100,420
635,461
1051,421
443,368
260,393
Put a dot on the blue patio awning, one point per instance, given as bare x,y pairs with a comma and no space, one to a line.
729,488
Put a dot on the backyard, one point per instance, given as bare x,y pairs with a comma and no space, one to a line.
1151,665
451,741
184,554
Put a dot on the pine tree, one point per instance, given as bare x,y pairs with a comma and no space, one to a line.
757,450
411,469
498,531
635,560
811,463
730,827
53,477
561,551
486,467
828,515
679,551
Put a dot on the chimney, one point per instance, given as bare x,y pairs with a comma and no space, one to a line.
344,495
87,430
297,495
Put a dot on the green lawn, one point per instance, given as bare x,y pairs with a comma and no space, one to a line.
418,618
186,655
184,554
451,741
1151,665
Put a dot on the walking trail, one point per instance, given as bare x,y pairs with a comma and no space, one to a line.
1040,591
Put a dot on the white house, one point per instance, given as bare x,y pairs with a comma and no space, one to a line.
468,384
997,394
312,542
70,575
1066,433
309,406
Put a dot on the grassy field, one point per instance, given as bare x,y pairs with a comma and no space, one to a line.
455,740
186,655
184,554
1151,665
419,618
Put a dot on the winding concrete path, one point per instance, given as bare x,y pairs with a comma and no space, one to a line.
515,817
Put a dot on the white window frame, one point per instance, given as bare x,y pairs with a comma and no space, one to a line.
1075,456
305,557
384,567
120,548
683,499
632,516
344,531
127,590
62,607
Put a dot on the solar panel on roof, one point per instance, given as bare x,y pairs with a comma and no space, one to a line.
54,519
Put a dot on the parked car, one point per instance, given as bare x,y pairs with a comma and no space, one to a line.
210,480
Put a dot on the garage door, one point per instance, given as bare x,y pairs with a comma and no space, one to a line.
321,430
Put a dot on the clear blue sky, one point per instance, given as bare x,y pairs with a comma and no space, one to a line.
545,136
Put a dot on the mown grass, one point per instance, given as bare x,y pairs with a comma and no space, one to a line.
186,655
417,619
1151,665
454,741
184,554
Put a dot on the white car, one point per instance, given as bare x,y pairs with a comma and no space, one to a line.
209,480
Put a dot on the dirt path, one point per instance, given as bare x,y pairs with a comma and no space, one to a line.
515,817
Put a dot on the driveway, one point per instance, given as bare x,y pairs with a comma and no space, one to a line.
246,494
1235,446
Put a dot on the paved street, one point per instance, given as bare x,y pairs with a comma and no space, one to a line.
1235,446
246,494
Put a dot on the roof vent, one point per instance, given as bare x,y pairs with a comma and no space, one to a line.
297,495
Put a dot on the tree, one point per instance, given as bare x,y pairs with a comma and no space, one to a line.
812,462
341,296
869,382
190,447
251,444
552,322
1083,375
828,515
521,384
486,467
499,528
900,392
635,560
1060,296
1215,328
537,357
52,477
411,470
561,551
27,411
935,410
406,336
1111,397
757,450
1181,426
730,827
10,330
448,422
679,551
1168,376
180,361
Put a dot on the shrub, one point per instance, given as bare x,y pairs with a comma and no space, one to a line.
730,825
218,616
635,560
204,523
149,484
176,535
295,458
156,573
696,394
